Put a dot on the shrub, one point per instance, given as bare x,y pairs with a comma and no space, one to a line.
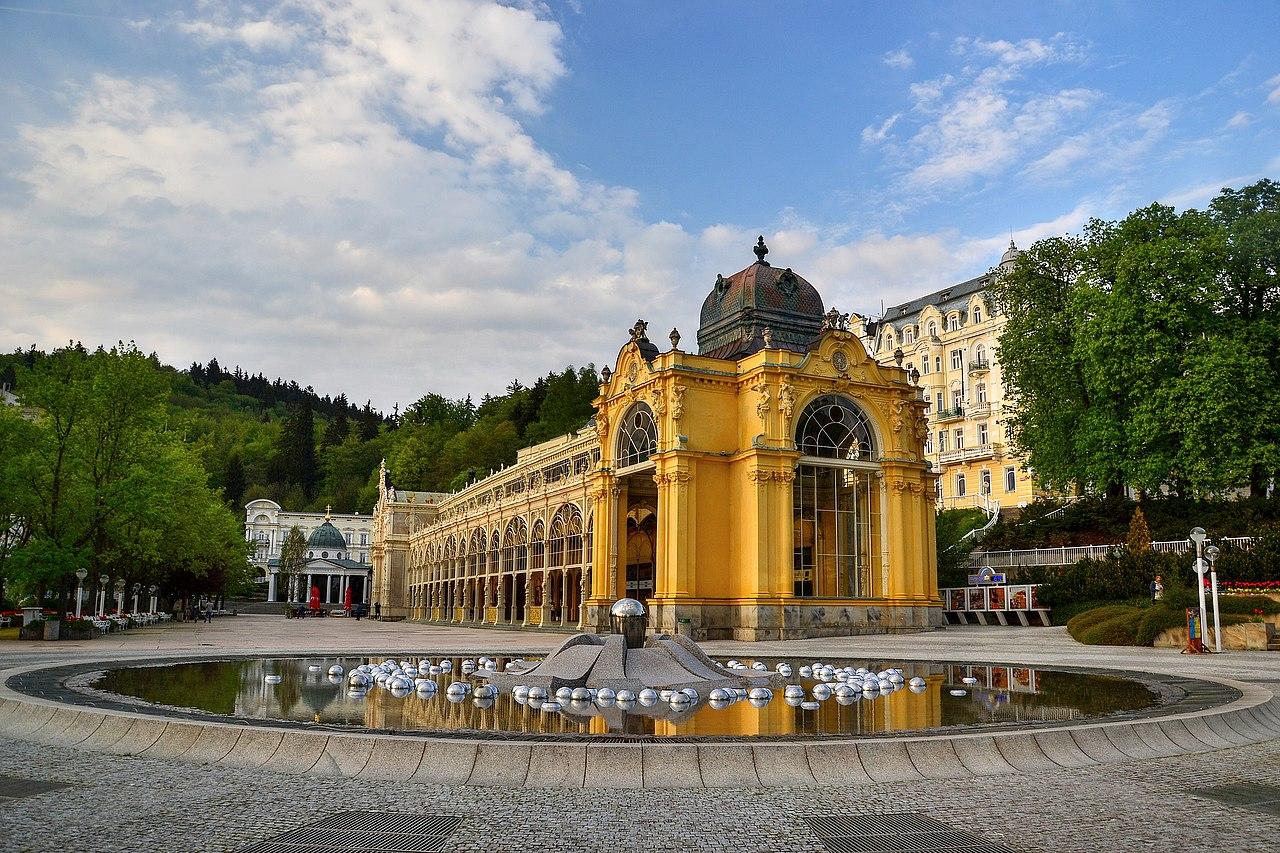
1117,577
1261,563
1077,625
1120,630
1155,620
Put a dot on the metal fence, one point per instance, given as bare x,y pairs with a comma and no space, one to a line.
1069,556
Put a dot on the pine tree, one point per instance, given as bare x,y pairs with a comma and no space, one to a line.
296,452
338,427
293,561
1139,538
233,480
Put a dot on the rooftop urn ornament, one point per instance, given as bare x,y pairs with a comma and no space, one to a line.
640,331
836,320
605,373
761,250
674,337
898,355
629,619
767,334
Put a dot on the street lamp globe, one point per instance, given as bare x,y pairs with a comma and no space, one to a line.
153,589
1213,552
102,579
1198,535
81,574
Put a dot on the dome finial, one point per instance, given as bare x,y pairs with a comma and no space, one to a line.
761,250
328,510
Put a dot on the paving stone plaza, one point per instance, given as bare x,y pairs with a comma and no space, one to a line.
1027,803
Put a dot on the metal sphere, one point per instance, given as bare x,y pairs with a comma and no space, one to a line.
691,693
483,701
959,692
357,693
916,682
719,704
460,689
272,679
520,692
627,607
719,695
758,703
551,706
314,668
647,697
821,691
806,672
400,691
758,666
811,705
564,694
665,695
625,695
538,693
605,695
760,693
969,679
333,679
580,694
793,690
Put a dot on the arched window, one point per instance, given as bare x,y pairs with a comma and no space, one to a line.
933,329
982,392
980,355
977,312
637,436
909,335
833,427
836,503
953,322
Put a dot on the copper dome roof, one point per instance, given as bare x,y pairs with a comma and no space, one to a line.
741,307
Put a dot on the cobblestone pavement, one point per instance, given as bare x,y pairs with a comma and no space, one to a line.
131,803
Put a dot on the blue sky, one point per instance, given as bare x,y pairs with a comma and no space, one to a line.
393,197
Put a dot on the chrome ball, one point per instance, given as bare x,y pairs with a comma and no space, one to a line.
958,692
625,695
793,691
605,696
457,688
821,691
719,704
806,672
400,691
550,706
580,694
272,679
761,693
564,694
538,693
916,682
647,697
969,679
520,692
691,693
811,705
665,695
758,703
718,695
357,693
759,666
446,665
483,701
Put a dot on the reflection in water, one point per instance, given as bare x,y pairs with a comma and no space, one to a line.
308,694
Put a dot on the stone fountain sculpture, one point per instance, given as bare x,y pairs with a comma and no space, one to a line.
625,660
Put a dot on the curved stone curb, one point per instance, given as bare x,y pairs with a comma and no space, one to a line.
1253,718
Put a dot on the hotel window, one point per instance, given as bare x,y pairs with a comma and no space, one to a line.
888,342
980,354
939,401
933,329
953,323
977,313
924,363
957,359
982,435
1010,479
937,489
942,441
960,438
909,335
910,366
928,444
960,492
364,538
982,392
985,484
937,363
836,509
928,404
957,398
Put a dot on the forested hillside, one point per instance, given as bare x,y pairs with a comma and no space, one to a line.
277,439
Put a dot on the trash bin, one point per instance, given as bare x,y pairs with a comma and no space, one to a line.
52,628
684,627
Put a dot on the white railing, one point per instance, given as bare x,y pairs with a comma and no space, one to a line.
1071,555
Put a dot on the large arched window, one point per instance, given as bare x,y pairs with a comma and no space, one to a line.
637,436
835,428
837,503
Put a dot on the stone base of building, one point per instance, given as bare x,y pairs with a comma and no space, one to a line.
753,621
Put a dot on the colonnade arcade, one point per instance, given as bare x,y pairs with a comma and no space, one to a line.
528,570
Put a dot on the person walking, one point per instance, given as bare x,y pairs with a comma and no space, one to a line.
377,610
1157,588
208,612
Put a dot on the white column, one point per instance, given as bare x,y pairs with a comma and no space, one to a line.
271,585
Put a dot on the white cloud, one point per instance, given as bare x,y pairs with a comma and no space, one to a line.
1113,145
1240,119
879,132
900,59
1274,85
1061,48
256,35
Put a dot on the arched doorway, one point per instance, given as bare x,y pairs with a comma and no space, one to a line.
637,543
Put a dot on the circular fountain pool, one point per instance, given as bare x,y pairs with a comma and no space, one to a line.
301,691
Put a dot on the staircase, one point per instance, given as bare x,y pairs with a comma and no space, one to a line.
1273,638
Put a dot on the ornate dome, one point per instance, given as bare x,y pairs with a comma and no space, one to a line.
741,307
327,536
1010,254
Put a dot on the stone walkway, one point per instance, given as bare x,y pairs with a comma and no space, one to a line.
136,803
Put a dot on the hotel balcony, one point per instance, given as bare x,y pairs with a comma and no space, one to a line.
949,414
979,410
979,366
968,454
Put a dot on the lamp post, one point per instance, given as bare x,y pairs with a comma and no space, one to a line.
1212,553
1198,536
81,574
153,589
137,588
120,596
103,580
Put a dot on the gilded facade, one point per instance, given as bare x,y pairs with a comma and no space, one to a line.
772,485
951,338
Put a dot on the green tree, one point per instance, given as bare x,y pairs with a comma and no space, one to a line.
293,561
233,480
296,451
